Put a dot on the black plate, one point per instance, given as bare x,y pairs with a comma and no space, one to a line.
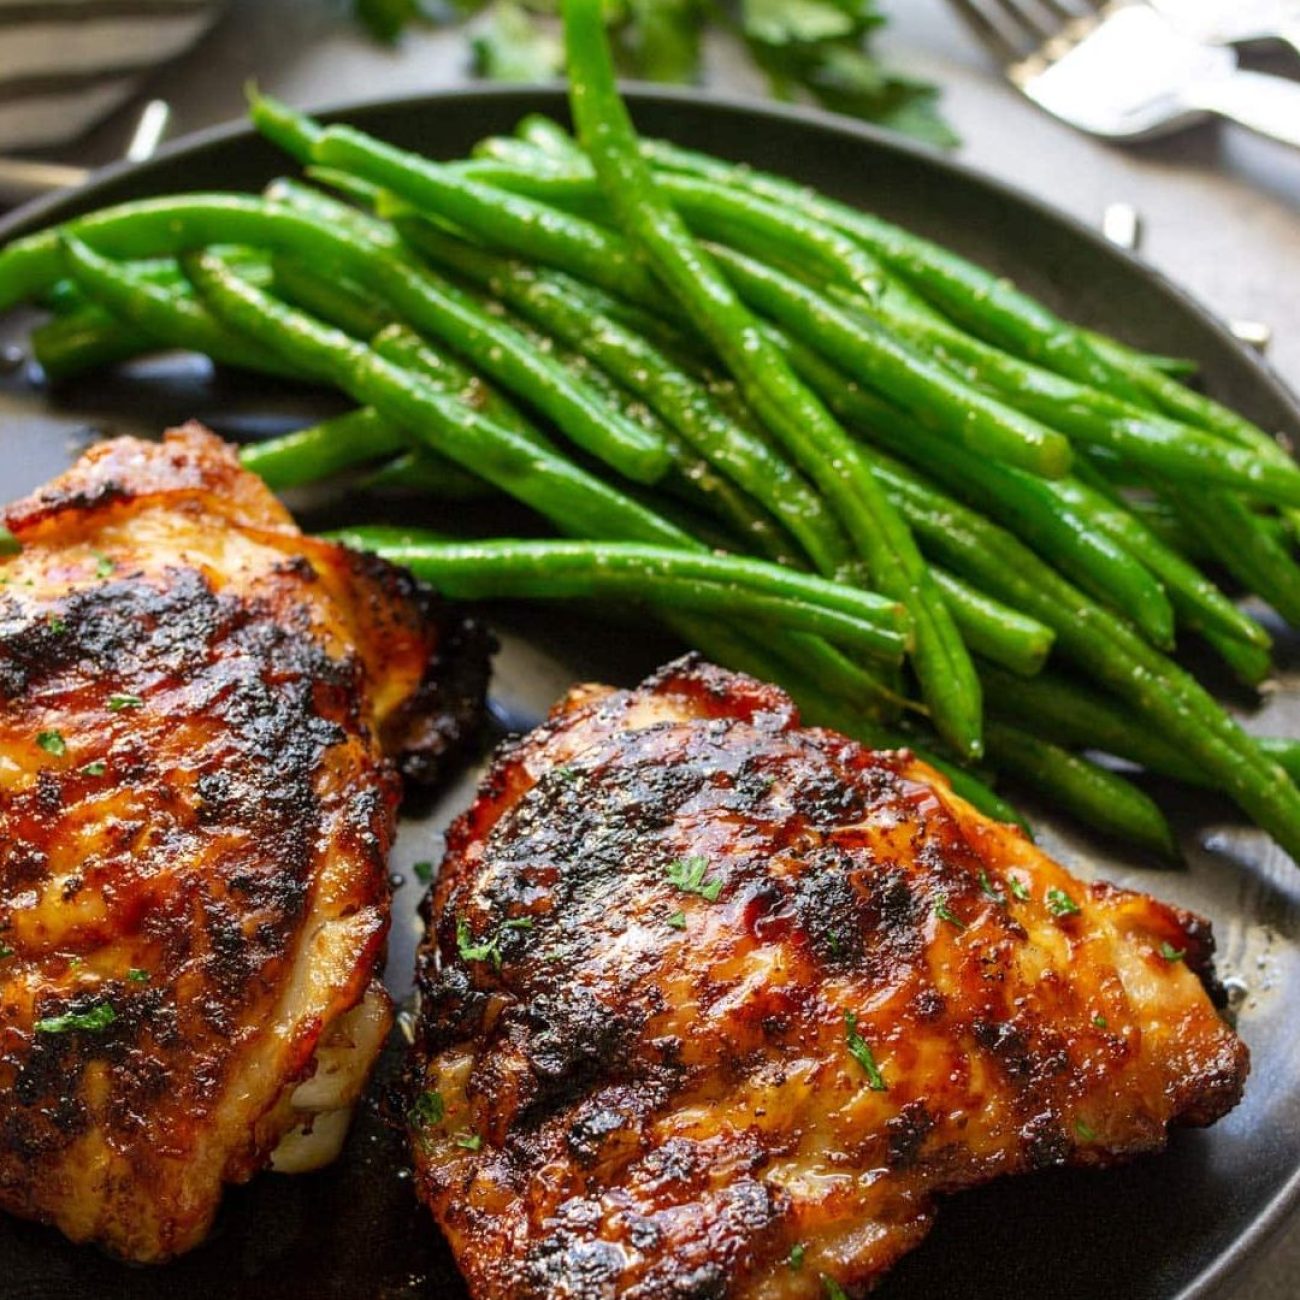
1171,1226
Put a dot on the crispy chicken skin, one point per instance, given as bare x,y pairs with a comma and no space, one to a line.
714,1005
199,713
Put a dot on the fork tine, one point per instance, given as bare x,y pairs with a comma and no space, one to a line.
993,34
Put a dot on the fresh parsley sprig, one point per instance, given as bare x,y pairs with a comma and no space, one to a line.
814,49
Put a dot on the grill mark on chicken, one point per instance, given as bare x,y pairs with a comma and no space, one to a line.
197,798
701,985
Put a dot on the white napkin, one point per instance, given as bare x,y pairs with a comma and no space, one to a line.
64,64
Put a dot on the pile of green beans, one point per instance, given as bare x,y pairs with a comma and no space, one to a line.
813,445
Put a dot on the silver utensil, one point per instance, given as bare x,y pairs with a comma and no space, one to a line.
1235,22
26,178
1125,72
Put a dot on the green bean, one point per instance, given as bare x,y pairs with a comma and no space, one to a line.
986,304
798,420
437,477
175,225
1023,502
548,137
994,630
1072,714
726,585
1098,798
564,308
574,500
519,224
1195,598
926,390
1163,447
159,313
292,131
1249,551
1105,648
86,338
324,449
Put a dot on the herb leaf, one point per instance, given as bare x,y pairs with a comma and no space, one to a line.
677,920
52,742
137,975
1059,903
795,1258
428,1109
103,564
1084,1129
1170,953
9,544
945,913
986,888
118,702
821,47
470,1141
861,1052
688,875
100,1016
96,767
1017,888
423,872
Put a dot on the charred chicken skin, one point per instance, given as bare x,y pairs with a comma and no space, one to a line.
201,713
716,1005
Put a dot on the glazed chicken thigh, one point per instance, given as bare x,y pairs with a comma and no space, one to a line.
715,1005
201,717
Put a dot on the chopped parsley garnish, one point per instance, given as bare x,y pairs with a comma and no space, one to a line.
1100,1021
471,951
677,921
56,625
116,703
470,1141
833,1289
1017,888
1084,1129
423,872
103,565
688,875
96,768
1059,903
1170,953
797,1252
945,913
5,951
137,975
9,544
861,1053
489,949
428,1110
100,1016
986,888
52,742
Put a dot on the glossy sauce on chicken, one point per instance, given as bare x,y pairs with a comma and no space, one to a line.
715,1005
199,713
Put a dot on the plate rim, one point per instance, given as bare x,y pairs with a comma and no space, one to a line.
1253,1244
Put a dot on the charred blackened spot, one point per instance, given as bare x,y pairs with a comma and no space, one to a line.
929,1003
562,1263
570,1035
591,1130
1045,1141
906,1133
1008,1043
49,791
828,908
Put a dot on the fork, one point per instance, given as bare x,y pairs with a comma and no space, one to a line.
1235,22
1125,72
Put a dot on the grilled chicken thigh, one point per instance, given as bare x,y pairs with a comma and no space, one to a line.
714,1005
199,713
